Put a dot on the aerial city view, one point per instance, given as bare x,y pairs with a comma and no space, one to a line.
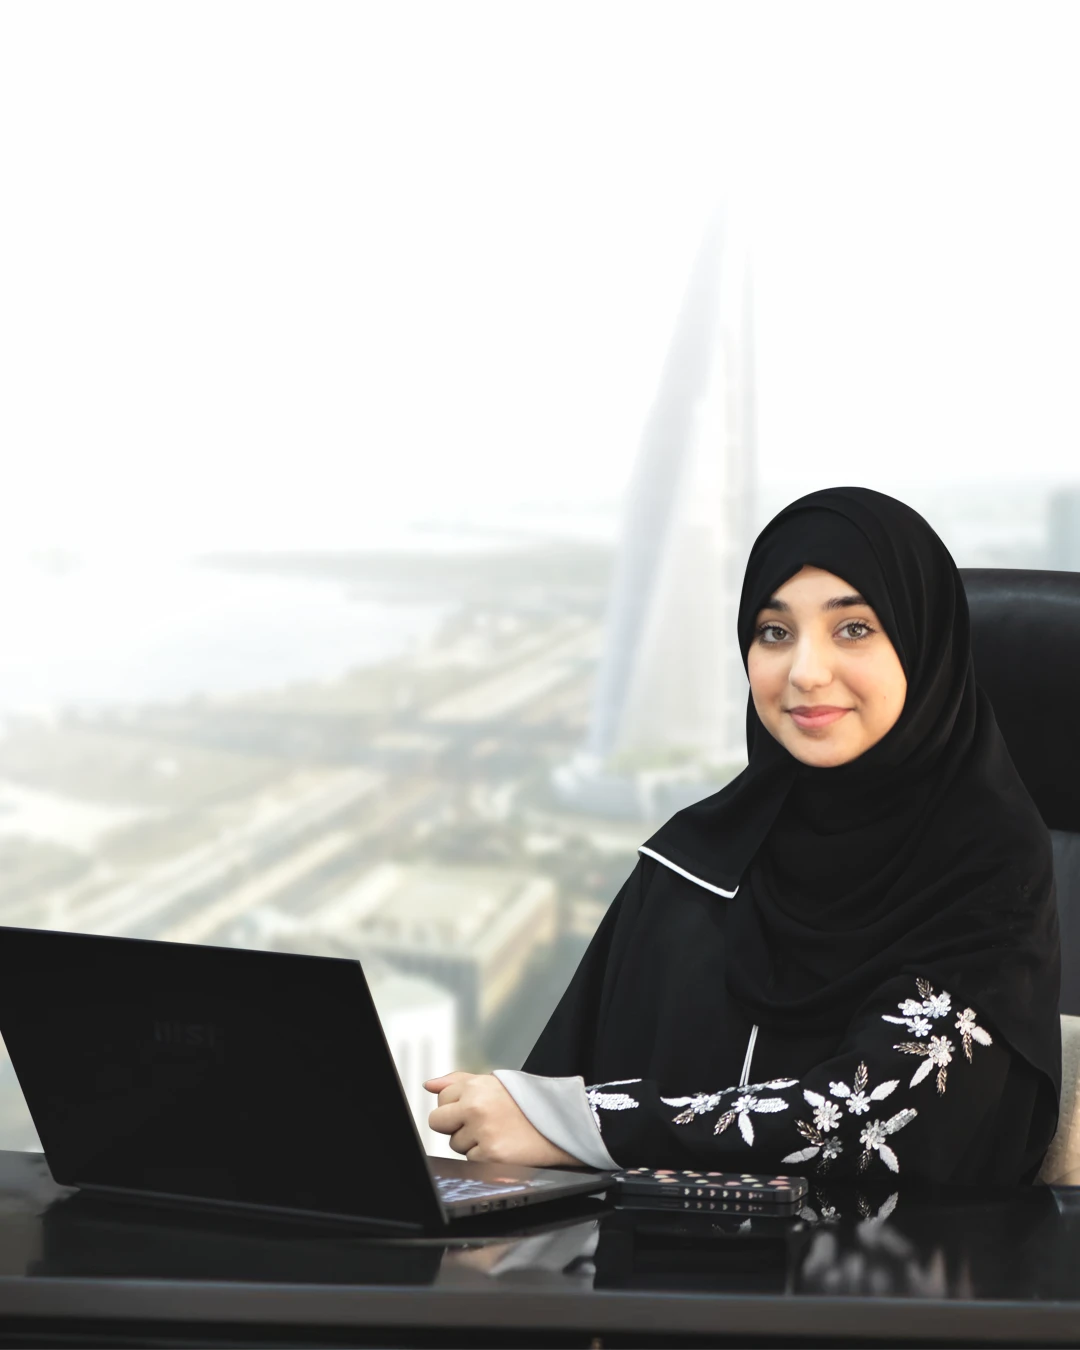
439,757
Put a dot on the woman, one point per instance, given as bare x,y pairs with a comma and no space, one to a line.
846,961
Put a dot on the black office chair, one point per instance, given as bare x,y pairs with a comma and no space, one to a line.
1025,632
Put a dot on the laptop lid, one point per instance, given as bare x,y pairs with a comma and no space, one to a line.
211,1073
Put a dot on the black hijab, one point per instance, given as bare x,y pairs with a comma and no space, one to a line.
926,854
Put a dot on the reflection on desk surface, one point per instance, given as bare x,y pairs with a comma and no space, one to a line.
952,1244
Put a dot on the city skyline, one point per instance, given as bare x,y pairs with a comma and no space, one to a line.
666,677
267,815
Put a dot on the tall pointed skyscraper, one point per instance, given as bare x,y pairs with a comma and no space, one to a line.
671,682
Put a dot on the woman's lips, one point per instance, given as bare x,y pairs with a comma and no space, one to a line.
820,717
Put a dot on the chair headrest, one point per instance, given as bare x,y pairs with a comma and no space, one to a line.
1025,634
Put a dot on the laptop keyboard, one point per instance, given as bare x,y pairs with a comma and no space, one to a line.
468,1188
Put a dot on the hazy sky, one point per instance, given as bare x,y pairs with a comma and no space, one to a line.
275,274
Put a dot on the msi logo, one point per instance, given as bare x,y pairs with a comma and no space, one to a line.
191,1036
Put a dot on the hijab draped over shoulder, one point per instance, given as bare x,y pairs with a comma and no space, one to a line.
926,853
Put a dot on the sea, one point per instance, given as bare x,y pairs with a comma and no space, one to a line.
107,630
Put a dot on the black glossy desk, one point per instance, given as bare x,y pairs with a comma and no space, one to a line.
865,1267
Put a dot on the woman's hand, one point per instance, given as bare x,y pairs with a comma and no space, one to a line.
487,1125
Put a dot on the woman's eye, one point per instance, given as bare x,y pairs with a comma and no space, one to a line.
859,623
770,628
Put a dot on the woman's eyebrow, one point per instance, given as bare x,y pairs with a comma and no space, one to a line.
837,602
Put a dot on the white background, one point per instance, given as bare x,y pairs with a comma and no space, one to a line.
282,274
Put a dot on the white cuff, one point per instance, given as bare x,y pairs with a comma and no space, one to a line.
560,1110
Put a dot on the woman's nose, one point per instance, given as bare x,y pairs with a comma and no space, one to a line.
810,667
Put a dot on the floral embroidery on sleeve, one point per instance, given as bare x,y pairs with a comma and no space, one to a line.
828,1116
741,1109
701,1103
937,1051
829,1147
965,1025
610,1101
876,1132
857,1098
912,1017
844,1122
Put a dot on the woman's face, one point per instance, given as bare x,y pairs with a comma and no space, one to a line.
819,646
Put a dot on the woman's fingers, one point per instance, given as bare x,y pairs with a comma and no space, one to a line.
447,1119
477,1106
474,1106
450,1115
461,1141
436,1085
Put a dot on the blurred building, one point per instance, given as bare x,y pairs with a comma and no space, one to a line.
671,688
419,1021
470,930
285,836
1063,530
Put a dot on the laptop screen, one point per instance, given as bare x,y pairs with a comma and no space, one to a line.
209,1072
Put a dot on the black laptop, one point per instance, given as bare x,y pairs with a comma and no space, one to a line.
222,1076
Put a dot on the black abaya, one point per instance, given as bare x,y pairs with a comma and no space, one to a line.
841,970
